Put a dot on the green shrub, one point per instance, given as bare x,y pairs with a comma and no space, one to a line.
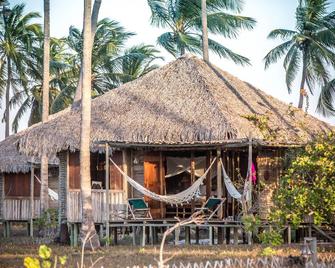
271,237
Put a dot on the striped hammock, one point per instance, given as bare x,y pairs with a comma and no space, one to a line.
176,199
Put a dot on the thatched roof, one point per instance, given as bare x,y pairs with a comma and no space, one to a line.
185,102
11,161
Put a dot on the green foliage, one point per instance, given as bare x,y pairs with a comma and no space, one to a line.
183,21
251,223
45,259
262,123
271,237
268,252
307,190
48,219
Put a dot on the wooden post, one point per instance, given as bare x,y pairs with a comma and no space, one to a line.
209,175
192,178
250,182
219,179
162,182
126,169
32,212
289,234
107,213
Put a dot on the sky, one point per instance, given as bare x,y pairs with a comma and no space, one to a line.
134,15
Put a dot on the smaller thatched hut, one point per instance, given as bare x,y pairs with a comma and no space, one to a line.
20,183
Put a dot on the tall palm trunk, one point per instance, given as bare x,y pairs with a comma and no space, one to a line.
8,86
303,81
94,21
204,31
45,105
87,227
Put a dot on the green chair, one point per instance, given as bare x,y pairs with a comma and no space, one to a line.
211,207
139,209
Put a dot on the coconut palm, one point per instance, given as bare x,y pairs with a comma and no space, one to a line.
326,99
45,103
17,33
109,54
87,227
29,99
183,18
308,48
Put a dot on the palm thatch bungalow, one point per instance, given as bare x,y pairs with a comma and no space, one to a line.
20,184
185,112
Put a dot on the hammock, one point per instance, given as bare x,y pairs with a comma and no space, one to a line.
53,195
245,196
183,197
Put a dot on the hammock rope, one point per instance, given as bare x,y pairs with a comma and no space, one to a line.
176,199
53,195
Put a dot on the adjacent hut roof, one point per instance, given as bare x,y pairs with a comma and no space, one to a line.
185,102
11,161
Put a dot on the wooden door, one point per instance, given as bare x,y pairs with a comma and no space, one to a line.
152,182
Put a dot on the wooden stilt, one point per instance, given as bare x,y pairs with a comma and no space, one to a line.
134,235
143,236
235,236
71,235
187,235
162,182
75,235
115,235
227,235
289,234
210,235
197,235
220,236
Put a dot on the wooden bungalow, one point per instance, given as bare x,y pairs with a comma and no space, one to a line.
20,185
185,112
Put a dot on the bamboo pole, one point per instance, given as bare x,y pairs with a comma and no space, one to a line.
250,181
107,213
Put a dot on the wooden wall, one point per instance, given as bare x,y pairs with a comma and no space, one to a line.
18,184
97,170
269,168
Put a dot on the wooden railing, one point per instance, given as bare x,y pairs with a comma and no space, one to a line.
117,205
18,208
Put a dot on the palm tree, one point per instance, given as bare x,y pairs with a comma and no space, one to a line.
17,34
183,18
29,99
87,227
45,103
309,48
108,56
326,99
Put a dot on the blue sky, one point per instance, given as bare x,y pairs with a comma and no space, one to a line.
134,15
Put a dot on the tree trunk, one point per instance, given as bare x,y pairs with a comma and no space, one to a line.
8,86
94,21
45,104
303,81
204,31
87,227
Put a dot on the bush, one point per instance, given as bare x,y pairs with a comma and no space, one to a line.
307,190
271,237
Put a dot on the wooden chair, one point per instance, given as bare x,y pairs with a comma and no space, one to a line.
139,209
211,207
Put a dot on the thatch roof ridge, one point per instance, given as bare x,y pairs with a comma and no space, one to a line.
184,102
